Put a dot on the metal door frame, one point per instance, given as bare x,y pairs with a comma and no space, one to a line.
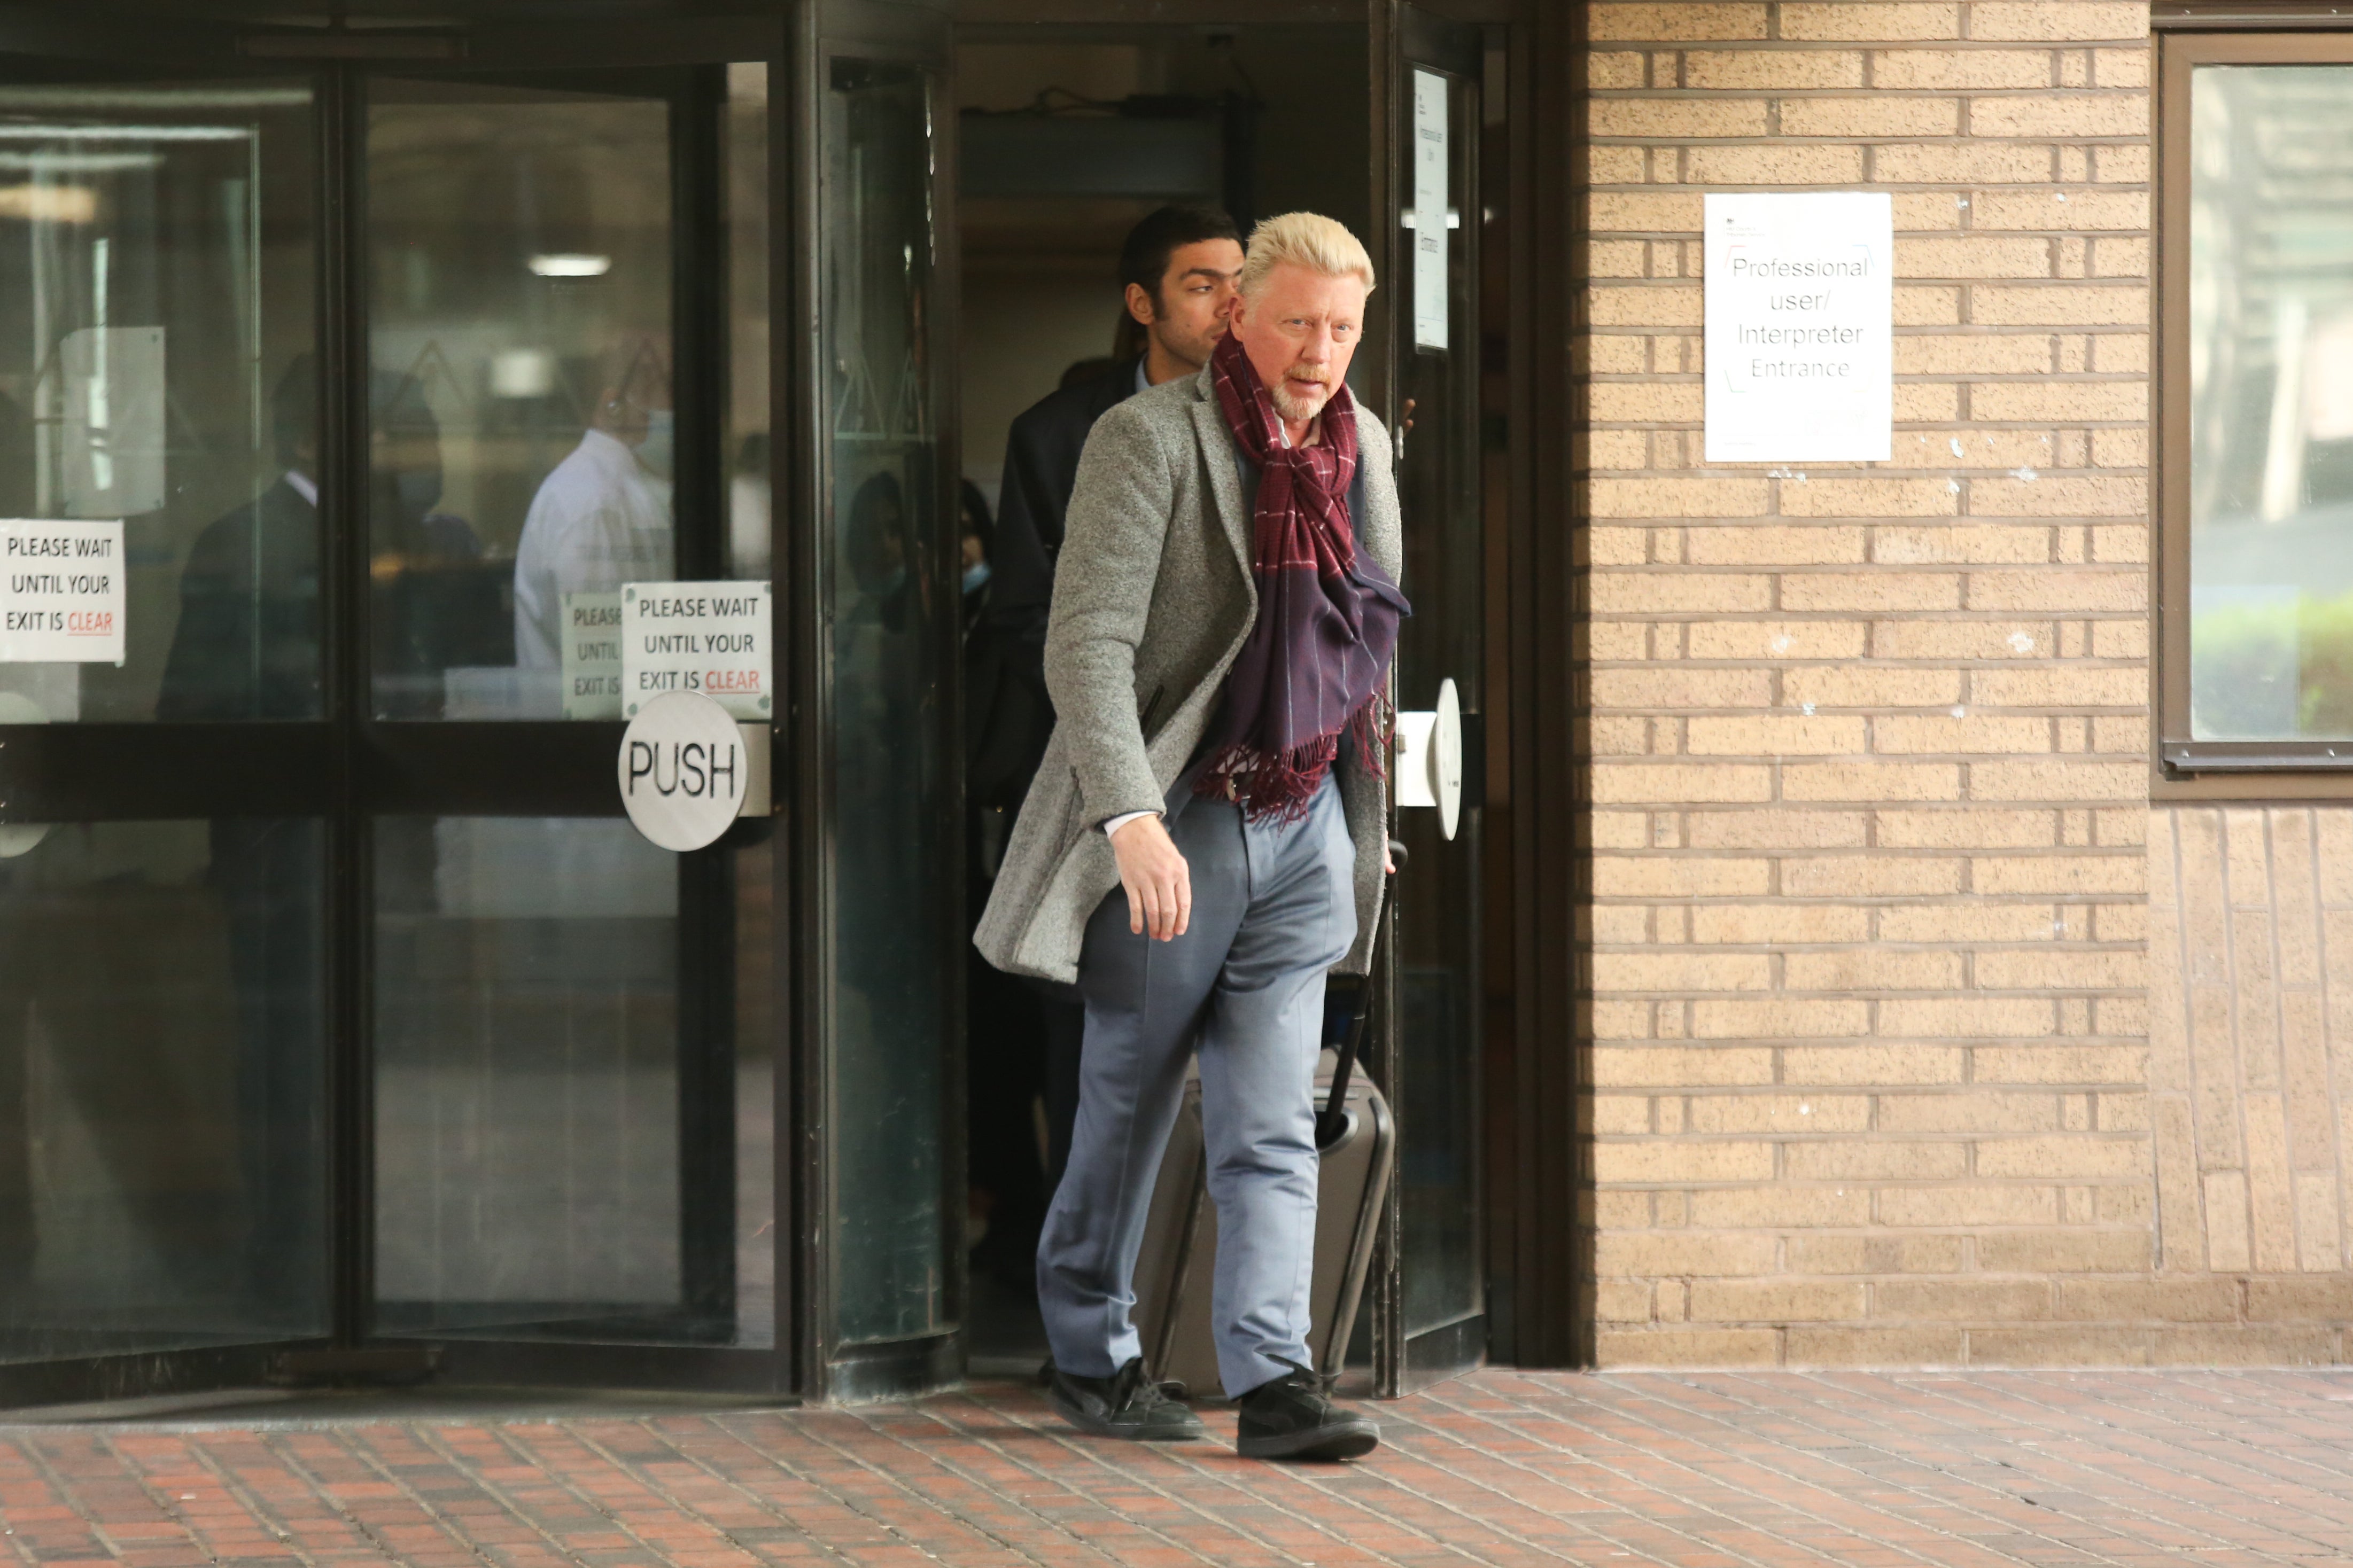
531,768
915,34
347,767
1407,37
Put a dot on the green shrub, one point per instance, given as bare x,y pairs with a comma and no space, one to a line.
2239,651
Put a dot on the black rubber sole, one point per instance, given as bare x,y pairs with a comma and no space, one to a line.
1095,1427
1350,1438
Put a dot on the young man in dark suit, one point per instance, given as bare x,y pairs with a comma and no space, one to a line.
1176,270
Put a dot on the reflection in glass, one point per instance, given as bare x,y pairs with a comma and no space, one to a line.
155,282
2271,454
161,1175
568,1142
892,618
751,483
519,311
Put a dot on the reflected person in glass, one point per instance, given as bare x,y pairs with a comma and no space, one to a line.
436,602
118,1147
602,516
246,643
877,699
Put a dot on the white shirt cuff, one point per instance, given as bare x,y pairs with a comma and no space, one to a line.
1112,825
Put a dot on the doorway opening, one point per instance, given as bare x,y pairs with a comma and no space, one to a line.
1068,138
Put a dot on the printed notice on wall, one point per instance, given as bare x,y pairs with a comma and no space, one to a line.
710,637
1429,298
61,593
1801,327
592,656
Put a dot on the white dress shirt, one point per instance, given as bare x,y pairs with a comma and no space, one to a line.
600,519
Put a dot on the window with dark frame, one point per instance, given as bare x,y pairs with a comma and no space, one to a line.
2256,224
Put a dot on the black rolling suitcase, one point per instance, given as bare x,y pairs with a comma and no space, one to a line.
1175,1270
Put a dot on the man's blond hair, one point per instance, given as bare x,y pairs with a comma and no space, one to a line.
1311,240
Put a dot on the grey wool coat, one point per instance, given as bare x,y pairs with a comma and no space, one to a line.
1153,599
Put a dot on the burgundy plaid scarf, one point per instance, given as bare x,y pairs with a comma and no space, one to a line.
1317,658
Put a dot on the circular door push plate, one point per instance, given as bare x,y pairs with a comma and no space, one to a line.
1446,757
683,770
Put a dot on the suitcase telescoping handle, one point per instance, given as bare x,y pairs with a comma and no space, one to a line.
1334,1119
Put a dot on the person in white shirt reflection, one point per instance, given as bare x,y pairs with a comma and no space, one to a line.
602,516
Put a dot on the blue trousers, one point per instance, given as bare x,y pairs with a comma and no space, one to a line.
1274,909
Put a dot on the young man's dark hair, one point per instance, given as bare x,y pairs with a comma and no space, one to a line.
1144,259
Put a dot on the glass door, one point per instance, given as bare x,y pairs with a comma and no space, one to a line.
166,811
883,895
560,393
340,1012
1433,1317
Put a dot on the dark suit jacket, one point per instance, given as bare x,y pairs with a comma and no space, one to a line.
1041,464
1007,714
248,643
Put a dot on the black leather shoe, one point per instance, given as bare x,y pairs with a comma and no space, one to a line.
1293,1417
1126,1404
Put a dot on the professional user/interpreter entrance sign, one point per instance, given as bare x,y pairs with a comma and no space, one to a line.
710,637
61,593
1801,327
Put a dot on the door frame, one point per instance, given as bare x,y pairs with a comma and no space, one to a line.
1538,1247
130,771
825,1370
1540,1229
529,768
1539,1240
347,767
1409,37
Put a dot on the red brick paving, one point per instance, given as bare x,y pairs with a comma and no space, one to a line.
1711,1470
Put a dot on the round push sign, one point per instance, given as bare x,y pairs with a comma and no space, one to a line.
683,771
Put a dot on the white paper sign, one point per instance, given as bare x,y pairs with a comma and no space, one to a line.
61,593
1430,297
710,637
683,770
1801,327
592,656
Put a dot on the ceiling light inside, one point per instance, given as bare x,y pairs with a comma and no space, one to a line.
571,264
49,203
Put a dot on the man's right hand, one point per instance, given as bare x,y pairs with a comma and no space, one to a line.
1159,884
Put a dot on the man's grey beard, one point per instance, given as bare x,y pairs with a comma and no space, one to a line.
1292,408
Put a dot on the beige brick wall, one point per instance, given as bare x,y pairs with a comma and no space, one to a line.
1869,887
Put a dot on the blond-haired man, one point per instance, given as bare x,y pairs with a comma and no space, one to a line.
1207,835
